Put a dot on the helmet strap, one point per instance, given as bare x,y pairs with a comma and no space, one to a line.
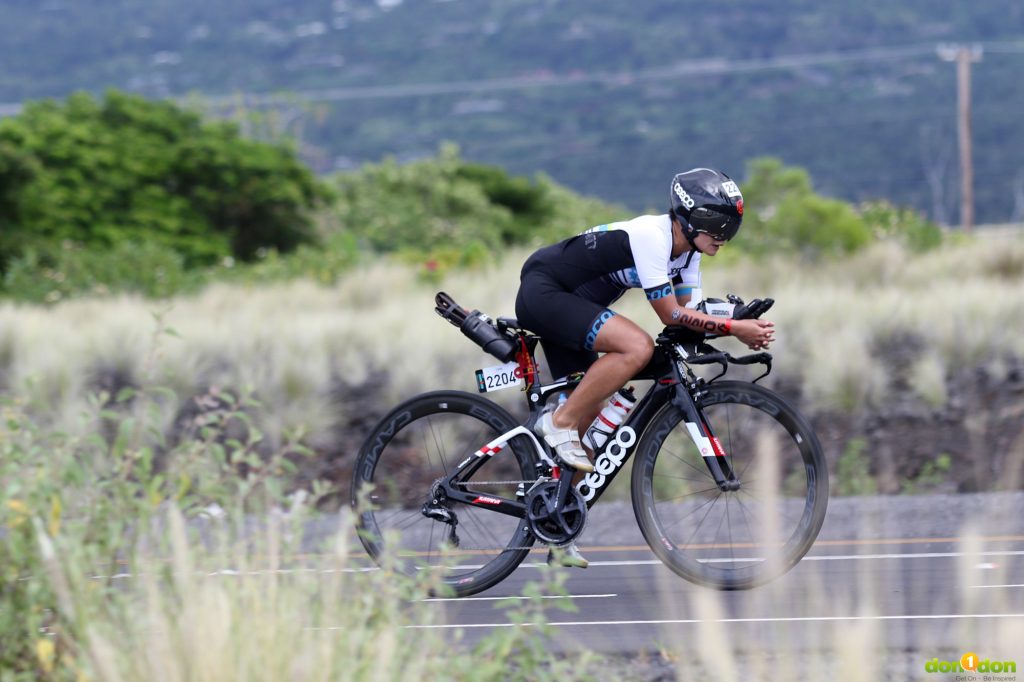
691,236
688,233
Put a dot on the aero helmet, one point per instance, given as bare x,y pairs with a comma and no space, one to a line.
706,200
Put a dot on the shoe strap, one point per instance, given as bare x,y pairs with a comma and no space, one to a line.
558,436
561,437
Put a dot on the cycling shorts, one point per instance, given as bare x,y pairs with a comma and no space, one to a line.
568,322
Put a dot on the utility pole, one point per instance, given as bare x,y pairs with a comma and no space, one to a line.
964,55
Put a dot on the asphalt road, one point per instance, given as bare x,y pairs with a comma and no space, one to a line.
918,574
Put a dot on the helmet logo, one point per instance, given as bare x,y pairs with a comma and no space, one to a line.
684,198
739,206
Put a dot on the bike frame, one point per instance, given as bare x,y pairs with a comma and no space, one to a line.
674,384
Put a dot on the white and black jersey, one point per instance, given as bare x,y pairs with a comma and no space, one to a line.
566,287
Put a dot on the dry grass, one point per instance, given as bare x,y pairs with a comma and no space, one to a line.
293,344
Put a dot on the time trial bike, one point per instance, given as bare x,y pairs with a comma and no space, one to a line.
729,485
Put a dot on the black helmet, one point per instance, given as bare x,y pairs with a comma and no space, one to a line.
706,200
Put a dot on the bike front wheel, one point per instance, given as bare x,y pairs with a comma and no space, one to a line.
731,539
402,520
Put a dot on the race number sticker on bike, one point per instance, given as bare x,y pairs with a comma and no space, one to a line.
499,377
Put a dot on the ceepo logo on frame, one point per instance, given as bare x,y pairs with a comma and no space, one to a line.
971,668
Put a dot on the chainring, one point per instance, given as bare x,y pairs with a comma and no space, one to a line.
550,524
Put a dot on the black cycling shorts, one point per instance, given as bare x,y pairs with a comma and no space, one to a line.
566,321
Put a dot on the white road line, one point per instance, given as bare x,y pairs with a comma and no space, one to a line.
807,619
640,562
818,557
981,586
922,555
568,596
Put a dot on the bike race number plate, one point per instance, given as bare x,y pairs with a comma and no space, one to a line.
499,377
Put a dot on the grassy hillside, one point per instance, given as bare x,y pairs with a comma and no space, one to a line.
858,337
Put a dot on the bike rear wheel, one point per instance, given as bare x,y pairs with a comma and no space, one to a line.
731,539
420,443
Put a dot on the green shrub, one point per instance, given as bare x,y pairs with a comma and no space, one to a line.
67,270
932,474
853,476
446,203
887,221
323,264
125,168
784,214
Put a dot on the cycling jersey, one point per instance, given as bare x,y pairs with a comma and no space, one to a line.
622,255
566,287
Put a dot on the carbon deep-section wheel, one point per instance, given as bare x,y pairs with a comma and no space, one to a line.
733,538
405,520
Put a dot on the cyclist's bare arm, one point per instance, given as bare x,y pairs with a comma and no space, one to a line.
755,334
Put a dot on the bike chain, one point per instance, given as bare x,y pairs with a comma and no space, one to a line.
476,483
513,549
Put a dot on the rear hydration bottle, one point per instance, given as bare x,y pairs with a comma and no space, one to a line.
477,327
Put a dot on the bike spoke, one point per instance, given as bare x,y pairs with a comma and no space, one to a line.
746,515
684,478
430,542
437,444
789,518
484,530
701,523
703,472
728,518
406,521
690,494
687,515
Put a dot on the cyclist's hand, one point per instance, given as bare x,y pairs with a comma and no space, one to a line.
756,334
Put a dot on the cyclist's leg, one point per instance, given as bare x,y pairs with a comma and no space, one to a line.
573,320
627,349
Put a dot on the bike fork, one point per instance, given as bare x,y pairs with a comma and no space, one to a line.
709,447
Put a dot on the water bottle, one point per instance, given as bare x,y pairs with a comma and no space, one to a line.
612,414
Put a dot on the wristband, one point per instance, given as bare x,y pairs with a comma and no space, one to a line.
728,326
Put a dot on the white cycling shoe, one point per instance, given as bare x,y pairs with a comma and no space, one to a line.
565,443
569,556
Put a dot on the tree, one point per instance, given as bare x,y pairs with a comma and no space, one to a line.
444,201
785,214
100,173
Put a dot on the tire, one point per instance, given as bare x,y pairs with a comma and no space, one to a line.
420,442
741,539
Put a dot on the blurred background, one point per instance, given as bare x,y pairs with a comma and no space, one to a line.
222,226
608,99
187,162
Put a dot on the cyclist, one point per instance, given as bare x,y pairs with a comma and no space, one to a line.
566,288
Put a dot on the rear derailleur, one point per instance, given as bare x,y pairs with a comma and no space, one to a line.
438,509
